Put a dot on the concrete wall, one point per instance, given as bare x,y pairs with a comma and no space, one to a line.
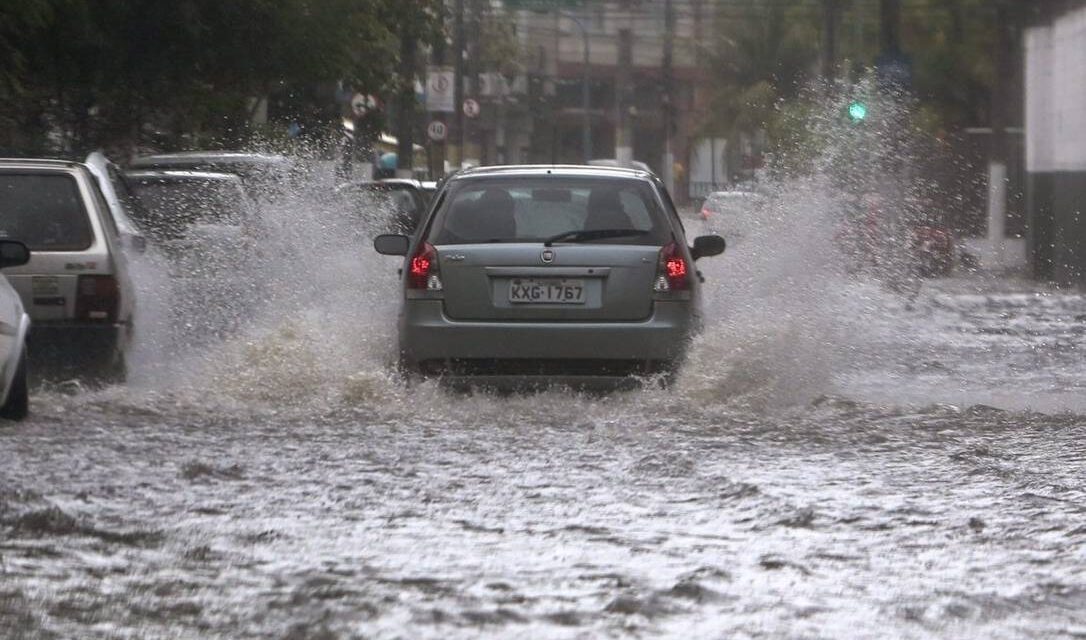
1055,87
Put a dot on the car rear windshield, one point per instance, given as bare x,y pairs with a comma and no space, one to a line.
44,211
170,207
535,209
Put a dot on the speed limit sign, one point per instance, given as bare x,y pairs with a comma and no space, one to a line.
437,131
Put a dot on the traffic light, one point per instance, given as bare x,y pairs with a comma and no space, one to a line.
857,110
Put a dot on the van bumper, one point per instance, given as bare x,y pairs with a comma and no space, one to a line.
78,344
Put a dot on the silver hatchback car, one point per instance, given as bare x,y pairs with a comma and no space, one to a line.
528,275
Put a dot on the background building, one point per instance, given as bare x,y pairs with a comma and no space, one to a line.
645,88
1055,96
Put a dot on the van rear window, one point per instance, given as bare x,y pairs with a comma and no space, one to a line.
44,211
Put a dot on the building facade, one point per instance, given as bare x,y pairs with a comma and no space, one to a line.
1055,99
645,95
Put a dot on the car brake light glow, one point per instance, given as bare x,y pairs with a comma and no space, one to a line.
422,270
672,273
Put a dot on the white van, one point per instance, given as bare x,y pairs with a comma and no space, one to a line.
75,287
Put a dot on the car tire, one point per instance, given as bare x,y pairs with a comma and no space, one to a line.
116,372
17,405
409,374
668,374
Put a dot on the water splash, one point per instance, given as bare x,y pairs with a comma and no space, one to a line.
790,315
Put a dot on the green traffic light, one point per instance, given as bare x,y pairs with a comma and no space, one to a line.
857,110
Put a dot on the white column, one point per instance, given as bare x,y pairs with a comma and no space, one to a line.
997,212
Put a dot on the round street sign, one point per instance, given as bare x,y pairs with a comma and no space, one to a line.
471,108
437,131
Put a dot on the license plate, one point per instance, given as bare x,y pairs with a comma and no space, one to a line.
546,291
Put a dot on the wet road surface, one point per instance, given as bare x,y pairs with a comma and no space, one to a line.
884,504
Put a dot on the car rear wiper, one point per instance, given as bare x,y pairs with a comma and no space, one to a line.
585,235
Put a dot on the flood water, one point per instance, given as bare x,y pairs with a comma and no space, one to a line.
837,460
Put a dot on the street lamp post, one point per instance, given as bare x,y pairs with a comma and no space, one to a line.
586,123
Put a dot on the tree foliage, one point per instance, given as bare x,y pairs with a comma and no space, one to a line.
758,60
77,74
766,55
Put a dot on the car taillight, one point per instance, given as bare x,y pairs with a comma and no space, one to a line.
98,298
673,271
422,269
706,213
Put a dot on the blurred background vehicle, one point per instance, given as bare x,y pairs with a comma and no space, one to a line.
426,188
211,234
178,207
896,243
934,249
398,204
14,326
733,214
265,176
76,286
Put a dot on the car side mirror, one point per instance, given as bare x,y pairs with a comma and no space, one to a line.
13,253
707,246
392,244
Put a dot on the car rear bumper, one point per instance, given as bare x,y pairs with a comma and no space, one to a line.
430,342
77,343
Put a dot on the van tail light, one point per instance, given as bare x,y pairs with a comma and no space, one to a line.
98,298
422,270
673,272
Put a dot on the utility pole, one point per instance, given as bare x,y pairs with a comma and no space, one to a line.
668,101
890,17
1004,45
405,107
458,81
586,104
829,43
623,133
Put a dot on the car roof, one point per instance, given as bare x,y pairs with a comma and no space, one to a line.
52,163
614,162
182,176
190,158
408,181
562,170
374,185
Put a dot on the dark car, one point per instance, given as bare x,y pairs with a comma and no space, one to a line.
265,176
172,204
391,205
